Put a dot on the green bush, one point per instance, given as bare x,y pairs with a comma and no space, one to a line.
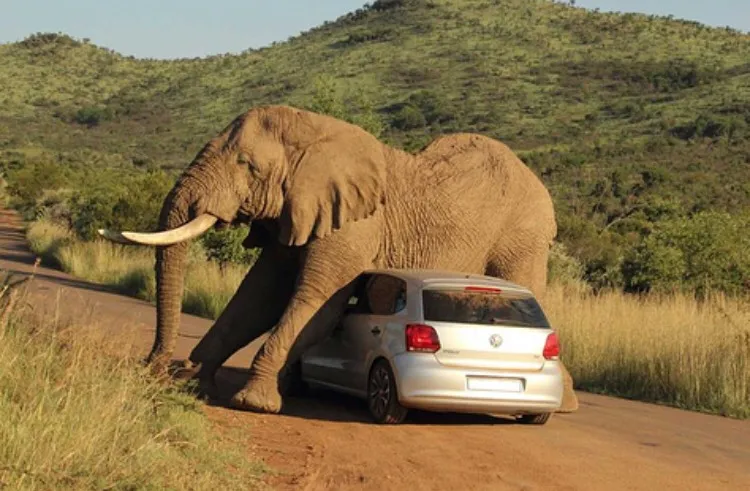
133,203
28,183
409,117
92,115
562,268
434,109
709,251
225,246
352,105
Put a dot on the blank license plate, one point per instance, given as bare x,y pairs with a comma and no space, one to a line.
495,384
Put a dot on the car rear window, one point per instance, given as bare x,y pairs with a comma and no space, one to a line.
509,309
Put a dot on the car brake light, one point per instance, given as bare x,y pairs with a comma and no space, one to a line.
422,338
551,347
483,289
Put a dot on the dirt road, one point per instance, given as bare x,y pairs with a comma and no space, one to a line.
328,443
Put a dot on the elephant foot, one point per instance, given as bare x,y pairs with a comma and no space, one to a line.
258,397
569,402
569,398
158,369
184,370
207,388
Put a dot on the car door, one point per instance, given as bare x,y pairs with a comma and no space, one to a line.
364,329
326,362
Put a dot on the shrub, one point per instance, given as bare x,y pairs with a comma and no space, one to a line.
28,183
708,251
562,268
225,246
133,203
408,118
433,108
352,106
92,115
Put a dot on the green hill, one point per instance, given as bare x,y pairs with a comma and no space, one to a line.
628,118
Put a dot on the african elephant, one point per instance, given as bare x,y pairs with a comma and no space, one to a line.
327,200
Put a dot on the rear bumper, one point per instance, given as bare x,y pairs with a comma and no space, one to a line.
423,383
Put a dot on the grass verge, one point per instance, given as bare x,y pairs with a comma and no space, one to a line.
79,412
130,270
670,349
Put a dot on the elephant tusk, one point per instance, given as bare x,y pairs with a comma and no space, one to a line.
190,230
113,236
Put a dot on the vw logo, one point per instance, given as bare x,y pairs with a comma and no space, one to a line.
496,340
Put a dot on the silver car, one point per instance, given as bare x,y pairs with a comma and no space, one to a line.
441,341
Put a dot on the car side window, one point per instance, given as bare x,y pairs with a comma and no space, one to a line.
385,294
358,301
377,294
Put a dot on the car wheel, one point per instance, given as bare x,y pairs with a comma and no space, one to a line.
534,419
382,398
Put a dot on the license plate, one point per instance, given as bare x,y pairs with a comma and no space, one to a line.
495,384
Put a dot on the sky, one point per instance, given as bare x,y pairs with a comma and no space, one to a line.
191,28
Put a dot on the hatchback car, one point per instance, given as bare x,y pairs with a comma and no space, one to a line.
441,341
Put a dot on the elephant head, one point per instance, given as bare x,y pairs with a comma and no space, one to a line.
295,175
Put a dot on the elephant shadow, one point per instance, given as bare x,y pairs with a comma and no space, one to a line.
327,405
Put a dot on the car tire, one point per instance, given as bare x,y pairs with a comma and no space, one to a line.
382,395
534,419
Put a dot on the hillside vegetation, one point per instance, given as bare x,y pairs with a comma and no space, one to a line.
637,124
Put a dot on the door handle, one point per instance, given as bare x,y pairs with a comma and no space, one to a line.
375,330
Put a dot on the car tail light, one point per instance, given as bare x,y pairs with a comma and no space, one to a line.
482,289
422,338
551,347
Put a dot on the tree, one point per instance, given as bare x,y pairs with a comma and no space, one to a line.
709,251
352,105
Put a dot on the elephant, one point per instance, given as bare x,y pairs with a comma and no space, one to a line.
325,200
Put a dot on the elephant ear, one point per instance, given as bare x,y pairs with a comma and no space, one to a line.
336,181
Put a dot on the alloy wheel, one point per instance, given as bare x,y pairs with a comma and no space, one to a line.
380,391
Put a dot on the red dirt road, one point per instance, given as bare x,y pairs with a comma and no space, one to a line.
326,442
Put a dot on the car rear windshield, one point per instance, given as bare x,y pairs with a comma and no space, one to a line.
509,309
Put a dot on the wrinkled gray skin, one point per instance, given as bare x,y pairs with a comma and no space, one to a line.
326,201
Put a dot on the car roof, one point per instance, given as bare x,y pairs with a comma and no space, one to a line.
430,277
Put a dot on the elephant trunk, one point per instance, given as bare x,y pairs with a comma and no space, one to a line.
170,278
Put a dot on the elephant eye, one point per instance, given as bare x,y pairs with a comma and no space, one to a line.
244,159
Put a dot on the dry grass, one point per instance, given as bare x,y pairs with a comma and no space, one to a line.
79,412
131,269
671,349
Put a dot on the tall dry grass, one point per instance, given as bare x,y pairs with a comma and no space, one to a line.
130,270
79,412
671,349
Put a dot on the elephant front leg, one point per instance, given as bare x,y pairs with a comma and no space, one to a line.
254,309
311,314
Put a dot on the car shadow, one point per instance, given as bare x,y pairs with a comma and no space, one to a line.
327,405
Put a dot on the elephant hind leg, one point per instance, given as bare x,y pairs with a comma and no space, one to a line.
570,399
531,271
528,268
